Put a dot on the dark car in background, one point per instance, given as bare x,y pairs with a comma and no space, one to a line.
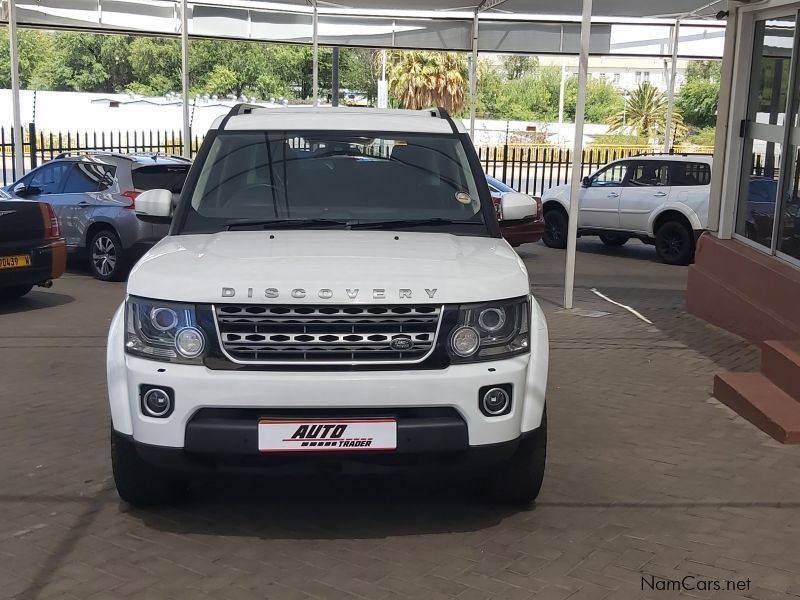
760,217
516,232
94,197
32,251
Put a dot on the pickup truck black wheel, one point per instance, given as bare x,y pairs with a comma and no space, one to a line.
674,243
14,292
107,258
137,482
613,240
555,228
520,478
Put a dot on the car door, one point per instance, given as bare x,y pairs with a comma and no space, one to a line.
48,181
691,186
599,205
646,189
85,190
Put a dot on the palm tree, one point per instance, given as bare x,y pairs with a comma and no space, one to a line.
646,114
422,79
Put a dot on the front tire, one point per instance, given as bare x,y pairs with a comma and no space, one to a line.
137,482
520,479
107,258
14,292
675,243
555,228
612,240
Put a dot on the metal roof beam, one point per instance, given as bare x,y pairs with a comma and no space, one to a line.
485,5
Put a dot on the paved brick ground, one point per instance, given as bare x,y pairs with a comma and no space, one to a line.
647,475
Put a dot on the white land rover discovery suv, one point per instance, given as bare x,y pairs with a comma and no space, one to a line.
660,199
334,292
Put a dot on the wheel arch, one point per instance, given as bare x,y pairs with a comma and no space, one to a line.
674,213
554,204
94,228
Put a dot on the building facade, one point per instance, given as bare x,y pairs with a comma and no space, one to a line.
746,276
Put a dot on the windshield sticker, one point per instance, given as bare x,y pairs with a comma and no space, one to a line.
464,197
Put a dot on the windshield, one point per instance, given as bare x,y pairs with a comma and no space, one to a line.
326,179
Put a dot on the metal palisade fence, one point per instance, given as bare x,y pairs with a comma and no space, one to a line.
530,168
40,147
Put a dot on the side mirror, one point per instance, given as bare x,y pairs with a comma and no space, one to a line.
23,190
587,182
154,203
516,207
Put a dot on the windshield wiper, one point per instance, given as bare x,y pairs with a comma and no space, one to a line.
285,224
388,224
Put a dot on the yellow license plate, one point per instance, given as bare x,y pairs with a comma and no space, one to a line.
15,262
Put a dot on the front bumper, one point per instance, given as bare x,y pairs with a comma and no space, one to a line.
333,393
465,458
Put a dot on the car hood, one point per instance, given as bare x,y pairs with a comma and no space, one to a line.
333,267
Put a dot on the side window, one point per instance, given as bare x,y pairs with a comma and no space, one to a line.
690,173
49,178
89,177
611,176
648,173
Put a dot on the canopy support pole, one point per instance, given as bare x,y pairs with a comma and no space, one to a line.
473,76
315,55
668,132
187,132
19,149
577,155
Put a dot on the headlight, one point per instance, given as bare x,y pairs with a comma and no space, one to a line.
165,331
491,331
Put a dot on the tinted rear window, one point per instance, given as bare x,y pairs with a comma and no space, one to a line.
690,173
160,177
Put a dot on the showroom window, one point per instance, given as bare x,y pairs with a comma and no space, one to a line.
768,200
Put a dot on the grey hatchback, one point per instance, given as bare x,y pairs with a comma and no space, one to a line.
94,196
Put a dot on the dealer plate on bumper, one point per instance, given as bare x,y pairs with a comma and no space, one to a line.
324,435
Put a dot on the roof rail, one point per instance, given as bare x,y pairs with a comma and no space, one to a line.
67,153
159,154
238,109
442,113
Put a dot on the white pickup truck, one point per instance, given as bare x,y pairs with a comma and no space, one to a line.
660,199
334,293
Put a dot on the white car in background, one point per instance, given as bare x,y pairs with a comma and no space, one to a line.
659,199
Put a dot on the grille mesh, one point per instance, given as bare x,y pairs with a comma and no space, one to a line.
327,334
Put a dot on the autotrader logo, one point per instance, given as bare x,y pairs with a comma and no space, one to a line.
691,583
329,434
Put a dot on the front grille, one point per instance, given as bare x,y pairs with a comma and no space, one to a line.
262,334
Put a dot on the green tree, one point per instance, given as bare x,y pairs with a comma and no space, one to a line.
421,79
155,66
84,63
222,81
698,101
34,47
646,114
603,100
359,70
704,70
518,66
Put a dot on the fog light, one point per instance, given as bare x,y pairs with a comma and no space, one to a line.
495,401
157,403
465,341
190,342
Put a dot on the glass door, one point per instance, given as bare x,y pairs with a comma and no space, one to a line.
764,129
787,245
